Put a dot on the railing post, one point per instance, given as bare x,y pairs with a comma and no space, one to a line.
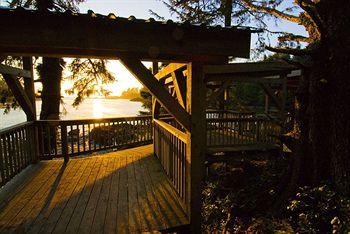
64,142
34,142
196,144
258,124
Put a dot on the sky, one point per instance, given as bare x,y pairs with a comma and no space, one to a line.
141,9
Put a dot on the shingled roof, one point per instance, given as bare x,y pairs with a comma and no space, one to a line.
68,34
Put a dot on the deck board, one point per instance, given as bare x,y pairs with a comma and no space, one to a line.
118,192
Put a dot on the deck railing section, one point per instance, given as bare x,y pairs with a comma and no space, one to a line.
17,150
170,148
212,114
241,131
59,138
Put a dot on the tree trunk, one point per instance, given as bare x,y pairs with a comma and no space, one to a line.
338,40
323,150
51,75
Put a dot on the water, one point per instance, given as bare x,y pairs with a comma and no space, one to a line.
90,108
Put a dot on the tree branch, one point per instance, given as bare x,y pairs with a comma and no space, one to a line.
296,52
271,11
292,37
310,8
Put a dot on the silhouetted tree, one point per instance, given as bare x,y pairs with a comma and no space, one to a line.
324,110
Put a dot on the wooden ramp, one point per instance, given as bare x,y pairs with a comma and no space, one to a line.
119,192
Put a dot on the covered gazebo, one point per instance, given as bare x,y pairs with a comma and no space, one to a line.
192,51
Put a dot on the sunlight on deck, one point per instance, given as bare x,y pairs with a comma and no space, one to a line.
123,191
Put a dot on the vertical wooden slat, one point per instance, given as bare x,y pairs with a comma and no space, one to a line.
64,142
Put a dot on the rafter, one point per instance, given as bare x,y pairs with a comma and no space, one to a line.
179,81
20,95
14,71
140,72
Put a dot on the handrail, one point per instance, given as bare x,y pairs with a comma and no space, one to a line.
172,130
14,127
91,120
235,119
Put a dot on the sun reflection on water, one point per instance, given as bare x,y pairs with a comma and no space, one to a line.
98,108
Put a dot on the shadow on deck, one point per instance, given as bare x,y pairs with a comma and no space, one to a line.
119,192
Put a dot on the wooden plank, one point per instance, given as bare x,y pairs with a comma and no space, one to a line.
135,222
18,184
14,71
79,210
89,214
166,71
36,33
20,95
72,203
157,215
101,209
169,206
59,186
66,196
110,225
149,212
16,204
123,212
32,210
146,78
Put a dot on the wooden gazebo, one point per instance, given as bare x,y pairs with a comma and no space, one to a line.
180,145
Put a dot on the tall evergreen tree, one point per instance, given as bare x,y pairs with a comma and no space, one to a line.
88,75
324,91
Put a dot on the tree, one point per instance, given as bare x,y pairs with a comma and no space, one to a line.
87,74
324,111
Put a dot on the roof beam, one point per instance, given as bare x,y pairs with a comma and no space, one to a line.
26,32
249,68
147,79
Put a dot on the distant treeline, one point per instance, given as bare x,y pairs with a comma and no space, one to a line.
131,94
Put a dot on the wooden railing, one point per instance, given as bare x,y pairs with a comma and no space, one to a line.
241,131
74,137
170,148
17,150
215,114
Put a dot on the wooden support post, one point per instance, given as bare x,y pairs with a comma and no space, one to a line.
283,99
267,103
196,143
155,107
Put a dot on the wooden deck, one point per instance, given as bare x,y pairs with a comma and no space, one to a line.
119,192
